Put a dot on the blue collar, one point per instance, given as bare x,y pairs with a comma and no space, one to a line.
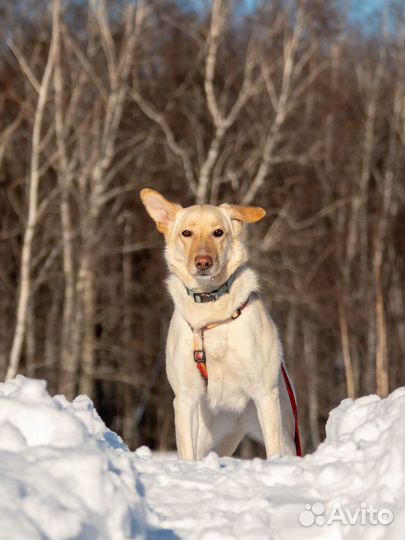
212,296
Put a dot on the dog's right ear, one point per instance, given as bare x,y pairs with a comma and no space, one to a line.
162,211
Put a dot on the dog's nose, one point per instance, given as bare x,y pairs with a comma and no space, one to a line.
203,262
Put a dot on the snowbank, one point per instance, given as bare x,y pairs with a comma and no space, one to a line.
64,475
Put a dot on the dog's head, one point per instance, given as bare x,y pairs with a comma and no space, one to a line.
203,242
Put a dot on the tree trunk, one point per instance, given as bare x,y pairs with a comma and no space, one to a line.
89,313
33,188
347,359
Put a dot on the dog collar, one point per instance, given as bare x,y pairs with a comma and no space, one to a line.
212,296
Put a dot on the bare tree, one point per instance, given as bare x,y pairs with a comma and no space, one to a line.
32,198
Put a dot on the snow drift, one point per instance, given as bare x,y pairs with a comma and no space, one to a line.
64,475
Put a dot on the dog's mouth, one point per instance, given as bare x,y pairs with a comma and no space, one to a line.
210,273
203,273
207,278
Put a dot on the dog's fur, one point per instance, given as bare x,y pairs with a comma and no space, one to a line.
246,394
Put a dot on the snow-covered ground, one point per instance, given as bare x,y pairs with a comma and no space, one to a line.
64,475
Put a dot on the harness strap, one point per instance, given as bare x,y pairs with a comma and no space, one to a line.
200,357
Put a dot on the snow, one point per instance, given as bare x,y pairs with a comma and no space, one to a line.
65,475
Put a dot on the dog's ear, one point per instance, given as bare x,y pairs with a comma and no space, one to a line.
162,211
245,214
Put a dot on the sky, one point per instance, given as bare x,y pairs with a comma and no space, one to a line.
360,10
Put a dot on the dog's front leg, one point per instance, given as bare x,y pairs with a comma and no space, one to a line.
185,418
269,414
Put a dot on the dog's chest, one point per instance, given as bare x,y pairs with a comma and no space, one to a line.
225,387
216,343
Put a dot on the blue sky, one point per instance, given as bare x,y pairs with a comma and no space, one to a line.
360,10
364,9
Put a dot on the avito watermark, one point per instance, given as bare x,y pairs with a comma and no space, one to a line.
318,514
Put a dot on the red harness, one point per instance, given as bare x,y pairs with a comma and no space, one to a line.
200,360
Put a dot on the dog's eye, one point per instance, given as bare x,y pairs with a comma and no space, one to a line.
218,232
186,233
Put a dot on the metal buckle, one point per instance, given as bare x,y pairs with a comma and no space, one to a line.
236,314
199,356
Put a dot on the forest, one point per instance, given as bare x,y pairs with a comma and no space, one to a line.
296,106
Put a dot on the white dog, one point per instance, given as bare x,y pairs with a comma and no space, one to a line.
223,354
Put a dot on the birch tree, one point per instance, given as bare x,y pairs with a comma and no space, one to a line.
32,201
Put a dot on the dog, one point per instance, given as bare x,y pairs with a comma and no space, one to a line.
220,326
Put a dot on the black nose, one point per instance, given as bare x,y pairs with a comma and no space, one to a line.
203,262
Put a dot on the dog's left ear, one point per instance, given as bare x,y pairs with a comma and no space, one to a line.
245,214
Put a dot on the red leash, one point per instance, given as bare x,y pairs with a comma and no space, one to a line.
293,402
